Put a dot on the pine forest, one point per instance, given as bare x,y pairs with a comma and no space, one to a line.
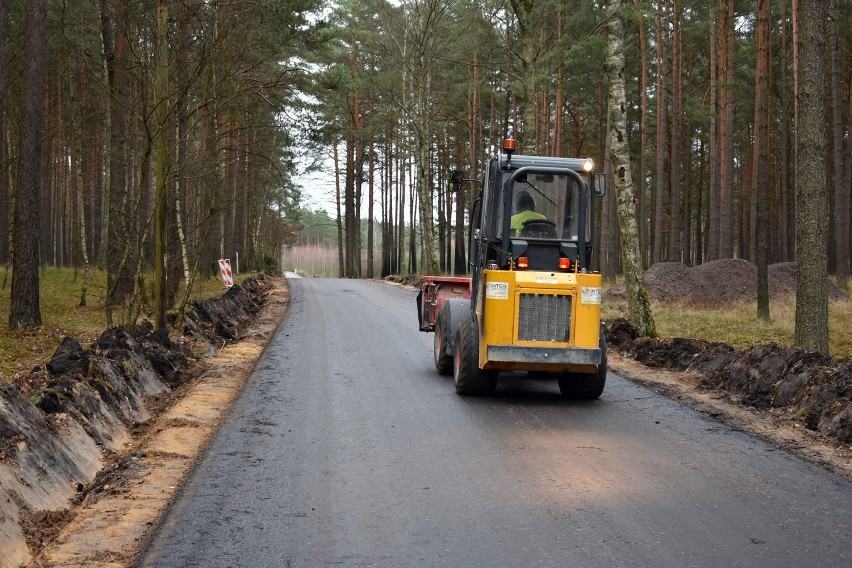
158,136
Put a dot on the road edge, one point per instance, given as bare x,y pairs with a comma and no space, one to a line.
111,530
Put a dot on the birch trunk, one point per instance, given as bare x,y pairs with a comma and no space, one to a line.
641,196
429,263
639,306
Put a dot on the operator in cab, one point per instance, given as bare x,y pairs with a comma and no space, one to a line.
525,208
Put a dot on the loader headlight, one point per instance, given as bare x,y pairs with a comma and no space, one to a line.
588,165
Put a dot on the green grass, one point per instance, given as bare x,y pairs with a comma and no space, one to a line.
61,315
737,324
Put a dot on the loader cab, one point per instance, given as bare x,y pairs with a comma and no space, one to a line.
555,235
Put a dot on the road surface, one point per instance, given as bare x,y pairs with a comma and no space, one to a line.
346,448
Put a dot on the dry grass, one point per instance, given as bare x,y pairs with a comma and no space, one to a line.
313,260
737,324
61,315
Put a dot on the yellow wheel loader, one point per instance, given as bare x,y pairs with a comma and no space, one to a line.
532,303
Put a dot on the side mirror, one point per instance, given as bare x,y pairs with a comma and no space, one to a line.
456,179
600,185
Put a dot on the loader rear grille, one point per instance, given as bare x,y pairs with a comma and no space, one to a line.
544,317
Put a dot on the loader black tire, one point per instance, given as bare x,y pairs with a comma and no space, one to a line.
585,386
469,379
443,361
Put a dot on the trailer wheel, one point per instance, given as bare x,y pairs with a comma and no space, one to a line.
443,361
468,377
585,386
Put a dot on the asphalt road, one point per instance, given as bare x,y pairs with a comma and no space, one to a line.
346,448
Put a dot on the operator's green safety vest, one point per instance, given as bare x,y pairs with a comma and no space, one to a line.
518,219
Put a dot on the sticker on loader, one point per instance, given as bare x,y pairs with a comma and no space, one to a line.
497,291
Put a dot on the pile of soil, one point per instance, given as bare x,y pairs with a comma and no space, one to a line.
802,385
715,282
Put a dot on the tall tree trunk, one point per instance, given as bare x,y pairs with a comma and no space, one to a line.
412,230
526,134
371,174
609,214
676,224
24,309
639,306
349,208
726,181
687,203
662,121
387,205
787,173
811,191
341,267
81,172
161,100
712,242
760,180
641,193
179,267
5,189
560,89
459,262
843,208
401,196
114,31
81,216
429,264
841,189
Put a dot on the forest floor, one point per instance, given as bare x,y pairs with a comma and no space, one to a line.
799,402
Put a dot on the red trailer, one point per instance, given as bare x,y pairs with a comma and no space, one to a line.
434,293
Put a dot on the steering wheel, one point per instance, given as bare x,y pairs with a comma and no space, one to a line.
540,228
538,222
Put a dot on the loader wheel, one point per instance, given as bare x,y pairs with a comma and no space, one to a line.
468,377
443,361
585,386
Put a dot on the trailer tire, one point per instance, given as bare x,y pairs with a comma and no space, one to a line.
443,361
469,379
585,386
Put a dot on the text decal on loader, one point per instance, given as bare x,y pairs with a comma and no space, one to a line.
497,291
590,295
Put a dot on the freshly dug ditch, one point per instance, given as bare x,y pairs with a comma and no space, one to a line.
803,386
62,426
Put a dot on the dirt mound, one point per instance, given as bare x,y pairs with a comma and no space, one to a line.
803,385
717,281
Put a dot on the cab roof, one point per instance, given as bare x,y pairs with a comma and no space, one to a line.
520,161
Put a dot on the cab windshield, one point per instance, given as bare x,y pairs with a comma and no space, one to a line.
545,206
